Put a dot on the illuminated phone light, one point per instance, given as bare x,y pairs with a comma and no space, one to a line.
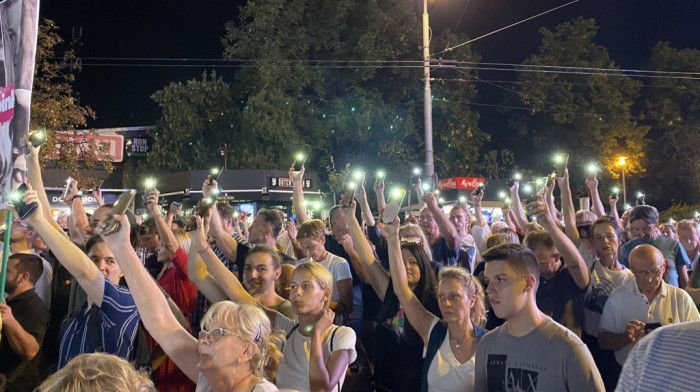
501,194
527,188
616,189
396,193
351,185
558,158
640,195
150,183
538,181
317,205
380,174
592,168
214,171
416,171
216,191
358,175
627,207
462,199
236,214
441,200
426,186
437,192
517,176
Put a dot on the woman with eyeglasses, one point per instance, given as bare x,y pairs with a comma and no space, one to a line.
316,353
398,348
450,342
234,345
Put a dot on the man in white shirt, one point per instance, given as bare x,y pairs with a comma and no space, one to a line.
689,237
641,304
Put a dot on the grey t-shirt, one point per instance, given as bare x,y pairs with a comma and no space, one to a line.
285,308
550,358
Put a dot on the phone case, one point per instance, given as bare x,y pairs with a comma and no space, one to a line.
111,226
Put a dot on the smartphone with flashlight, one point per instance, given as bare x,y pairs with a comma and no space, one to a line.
299,161
37,138
350,189
150,187
215,173
391,211
175,205
640,199
480,189
123,201
544,181
69,183
23,210
561,161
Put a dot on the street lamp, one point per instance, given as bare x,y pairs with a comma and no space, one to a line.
622,161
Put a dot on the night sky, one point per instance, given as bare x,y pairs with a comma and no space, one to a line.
193,30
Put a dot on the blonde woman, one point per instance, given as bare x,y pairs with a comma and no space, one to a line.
451,342
316,353
233,346
97,372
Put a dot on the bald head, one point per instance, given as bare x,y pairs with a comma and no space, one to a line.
645,257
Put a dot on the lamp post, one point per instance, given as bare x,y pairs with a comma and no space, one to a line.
427,96
622,162
223,149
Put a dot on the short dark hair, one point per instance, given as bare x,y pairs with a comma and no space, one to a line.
225,211
148,227
179,223
272,252
274,218
517,256
606,220
648,214
537,239
94,240
27,262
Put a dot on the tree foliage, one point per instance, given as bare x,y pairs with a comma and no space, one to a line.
586,113
325,78
55,108
672,106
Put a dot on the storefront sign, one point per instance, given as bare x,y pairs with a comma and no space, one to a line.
446,184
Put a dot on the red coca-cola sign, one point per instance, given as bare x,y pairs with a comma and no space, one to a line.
446,184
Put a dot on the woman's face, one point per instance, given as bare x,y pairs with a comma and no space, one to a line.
104,261
306,295
412,267
455,304
222,349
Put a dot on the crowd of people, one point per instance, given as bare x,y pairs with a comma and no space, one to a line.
550,299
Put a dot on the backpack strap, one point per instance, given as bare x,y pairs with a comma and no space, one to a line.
437,336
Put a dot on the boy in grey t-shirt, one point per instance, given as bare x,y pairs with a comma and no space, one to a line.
530,351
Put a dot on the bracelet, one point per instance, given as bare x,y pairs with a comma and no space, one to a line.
477,205
75,197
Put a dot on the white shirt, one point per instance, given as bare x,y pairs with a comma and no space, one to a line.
446,373
339,269
204,386
671,306
480,234
293,371
603,282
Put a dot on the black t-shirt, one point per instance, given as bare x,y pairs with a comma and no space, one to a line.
561,299
33,315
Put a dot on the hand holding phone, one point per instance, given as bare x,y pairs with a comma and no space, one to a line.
23,210
37,138
350,189
299,161
110,225
391,211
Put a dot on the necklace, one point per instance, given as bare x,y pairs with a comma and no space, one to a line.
458,345
240,382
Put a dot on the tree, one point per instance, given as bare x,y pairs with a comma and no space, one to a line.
324,77
587,114
672,106
55,108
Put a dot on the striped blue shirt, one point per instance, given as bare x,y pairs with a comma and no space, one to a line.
119,321
662,361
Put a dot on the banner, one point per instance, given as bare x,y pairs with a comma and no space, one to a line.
446,184
19,25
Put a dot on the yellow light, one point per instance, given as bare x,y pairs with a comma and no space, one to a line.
150,183
396,193
299,157
214,171
622,161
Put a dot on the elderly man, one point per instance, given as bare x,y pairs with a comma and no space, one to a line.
642,304
688,236
643,223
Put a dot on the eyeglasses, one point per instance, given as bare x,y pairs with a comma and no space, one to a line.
646,229
215,334
647,274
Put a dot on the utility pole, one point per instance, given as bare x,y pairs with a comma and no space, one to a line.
427,96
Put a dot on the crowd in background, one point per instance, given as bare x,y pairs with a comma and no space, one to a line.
549,299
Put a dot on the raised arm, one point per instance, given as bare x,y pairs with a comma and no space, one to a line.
419,317
226,279
172,213
374,274
297,178
567,209
379,192
78,217
167,238
20,341
226,243
34,178
613,199
568,251
447,229
153,308
597,204
520,219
